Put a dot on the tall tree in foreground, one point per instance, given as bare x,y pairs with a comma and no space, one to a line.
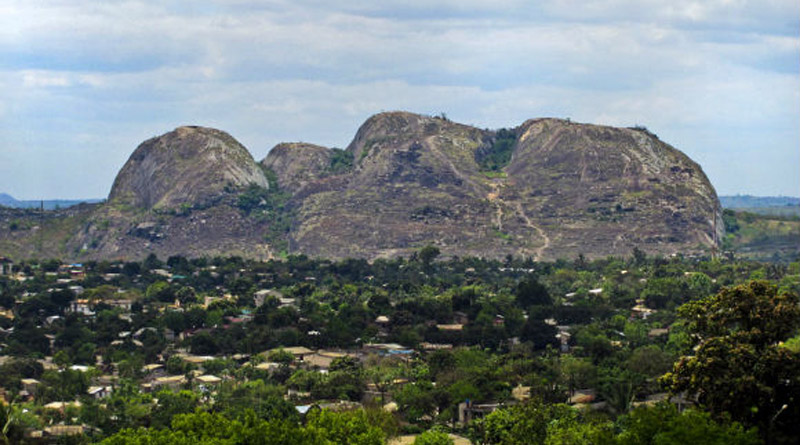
741,365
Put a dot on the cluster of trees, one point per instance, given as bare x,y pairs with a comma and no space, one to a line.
498,155
732,344
534,423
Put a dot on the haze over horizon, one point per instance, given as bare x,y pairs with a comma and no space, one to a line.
84,82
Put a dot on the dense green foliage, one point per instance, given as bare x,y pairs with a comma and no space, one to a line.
481,331
270,205
341,161
534,423
740,366
498,155
773,237
322,428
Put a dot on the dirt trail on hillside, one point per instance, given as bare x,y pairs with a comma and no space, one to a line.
495,197
540,250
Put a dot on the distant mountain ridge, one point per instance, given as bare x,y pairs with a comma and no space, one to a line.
546,189
748,201
49,204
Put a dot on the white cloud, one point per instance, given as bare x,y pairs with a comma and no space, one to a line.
696,72
39,79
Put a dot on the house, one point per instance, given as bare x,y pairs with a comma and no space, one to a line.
450,327
425,346
208,380
63,430
61,406
154,369
76,271
460,318
521,393
81,306
7,313
382,347
195,359
173,382
468,411
657,332
268,366
30,386
583,397
99,392
6,265
299,352
162,273
293,394
641,311
322,359
122,303
261,296
105,380
141,331
287,302
563,337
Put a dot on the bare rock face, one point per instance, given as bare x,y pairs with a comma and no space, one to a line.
603,190
187,166
297,164
414,181
547,189
568,189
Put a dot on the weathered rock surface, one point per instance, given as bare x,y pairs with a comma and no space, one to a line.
405,181
298,164
187,166
568,189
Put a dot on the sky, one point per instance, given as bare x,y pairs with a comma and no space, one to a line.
82,82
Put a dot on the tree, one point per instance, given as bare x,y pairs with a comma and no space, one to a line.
351,427
12,431
664,425
539,333
618,388
576,372
428,254
171,404
530,292
740,365
416,400
151,262
160,291
523,424
433,437
62,297
650,361
281,356
382,376
264,400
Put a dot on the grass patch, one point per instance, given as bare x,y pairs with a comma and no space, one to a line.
494,174
502,235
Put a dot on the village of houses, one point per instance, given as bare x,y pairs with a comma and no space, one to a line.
404,332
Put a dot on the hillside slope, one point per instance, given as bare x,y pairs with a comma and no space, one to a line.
547,189
567,189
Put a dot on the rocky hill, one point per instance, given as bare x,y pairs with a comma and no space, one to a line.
549,188
559,190
187,166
